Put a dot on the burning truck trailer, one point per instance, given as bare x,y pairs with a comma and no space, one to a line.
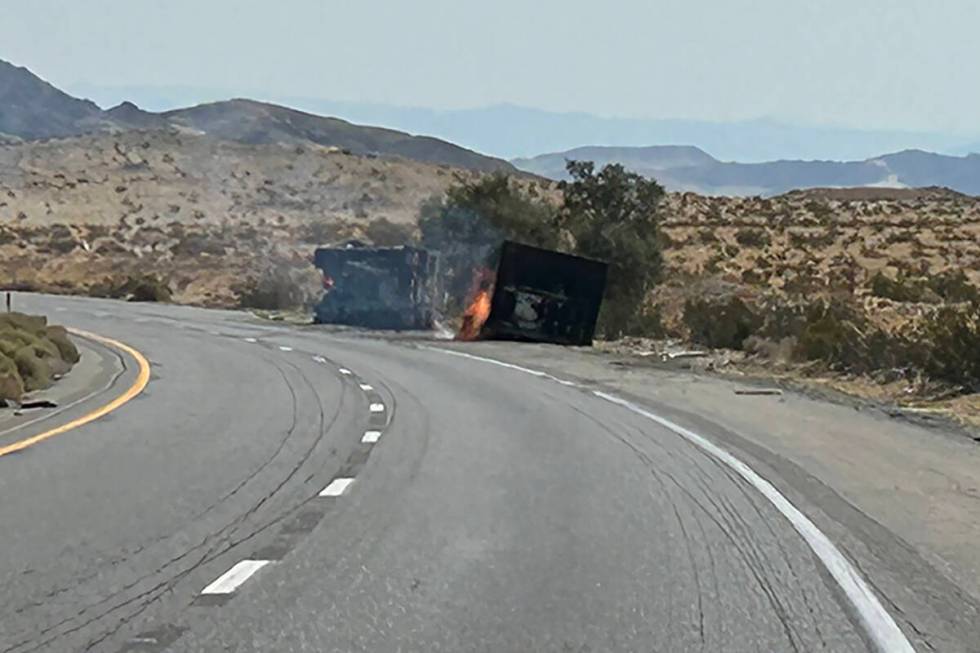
377,287
539,296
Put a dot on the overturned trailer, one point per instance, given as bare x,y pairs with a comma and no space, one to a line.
545,296
377,287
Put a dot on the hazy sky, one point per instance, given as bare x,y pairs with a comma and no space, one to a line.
897,64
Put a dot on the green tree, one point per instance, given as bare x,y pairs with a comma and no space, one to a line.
613,215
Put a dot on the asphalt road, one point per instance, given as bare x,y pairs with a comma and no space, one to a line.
497,511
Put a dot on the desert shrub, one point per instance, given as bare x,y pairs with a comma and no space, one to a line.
753,277
145,288
11,385
58,336
707,235
34,324
829,334
752,237
954,286
821,239
900,289
819,210
720,321
138,288
382,232
946,346
33,367
13,340
838,333
781,318
647,322
62,245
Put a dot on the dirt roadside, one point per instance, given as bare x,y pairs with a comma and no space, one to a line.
901,498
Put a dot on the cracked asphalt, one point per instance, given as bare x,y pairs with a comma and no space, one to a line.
497,511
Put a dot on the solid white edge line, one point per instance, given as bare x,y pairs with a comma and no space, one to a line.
377,408
878,623
232,579
337,487
365,387
370,437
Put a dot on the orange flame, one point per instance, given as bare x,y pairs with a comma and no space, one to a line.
478,311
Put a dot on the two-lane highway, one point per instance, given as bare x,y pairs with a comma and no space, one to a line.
285,489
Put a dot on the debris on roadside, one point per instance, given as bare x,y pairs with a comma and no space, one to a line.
671,355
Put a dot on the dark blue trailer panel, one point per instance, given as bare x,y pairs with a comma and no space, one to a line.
377,287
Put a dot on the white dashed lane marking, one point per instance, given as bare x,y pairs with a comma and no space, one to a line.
337,487
319,359
232,579
370,437
365,387
377,408
345,371
285,348
253,340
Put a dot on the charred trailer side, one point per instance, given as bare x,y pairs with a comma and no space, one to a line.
544,296
377,287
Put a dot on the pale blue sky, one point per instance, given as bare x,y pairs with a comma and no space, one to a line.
874,64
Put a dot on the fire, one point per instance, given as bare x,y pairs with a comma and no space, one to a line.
478,311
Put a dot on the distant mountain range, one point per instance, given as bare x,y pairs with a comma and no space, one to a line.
510,131
692,169
31,109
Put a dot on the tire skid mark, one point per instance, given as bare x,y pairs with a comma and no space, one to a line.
212,541
304,517
743,546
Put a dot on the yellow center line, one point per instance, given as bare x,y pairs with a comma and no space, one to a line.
137,387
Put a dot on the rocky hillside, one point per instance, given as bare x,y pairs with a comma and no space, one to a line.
205,213
201,212
31,109
823,240
689,169
245,121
